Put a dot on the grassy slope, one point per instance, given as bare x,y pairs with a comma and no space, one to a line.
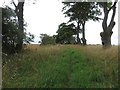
62,66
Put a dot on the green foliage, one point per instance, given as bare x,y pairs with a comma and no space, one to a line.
28,38
65,33
46,39
82,11
109,4
11,35
10,32
101,4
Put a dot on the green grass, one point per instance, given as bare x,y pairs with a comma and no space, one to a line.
69,66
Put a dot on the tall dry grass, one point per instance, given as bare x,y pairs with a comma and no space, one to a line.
30,61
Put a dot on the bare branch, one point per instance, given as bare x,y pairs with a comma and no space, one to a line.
14,4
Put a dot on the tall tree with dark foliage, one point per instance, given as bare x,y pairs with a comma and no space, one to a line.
81,12
19,14
10,33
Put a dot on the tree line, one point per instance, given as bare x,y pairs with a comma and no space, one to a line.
81,12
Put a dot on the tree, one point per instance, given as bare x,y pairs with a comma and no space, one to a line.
107,28
10,33
81,12
73,17
13,35
19,14
46,39
65,33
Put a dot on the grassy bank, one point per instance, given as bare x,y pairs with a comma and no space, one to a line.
62,66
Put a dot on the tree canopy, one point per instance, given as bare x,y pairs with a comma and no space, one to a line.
46,39
10,32
11,35
81,12
65,33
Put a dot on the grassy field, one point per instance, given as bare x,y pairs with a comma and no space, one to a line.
62,66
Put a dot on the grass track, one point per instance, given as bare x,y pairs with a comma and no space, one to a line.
57,67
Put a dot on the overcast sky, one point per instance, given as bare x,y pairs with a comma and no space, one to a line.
45,16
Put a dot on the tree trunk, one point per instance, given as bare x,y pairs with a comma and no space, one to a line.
83,33
19,13
78,39
78,30
107,29
106,38
20,21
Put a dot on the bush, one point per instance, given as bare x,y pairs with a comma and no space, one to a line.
46,39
